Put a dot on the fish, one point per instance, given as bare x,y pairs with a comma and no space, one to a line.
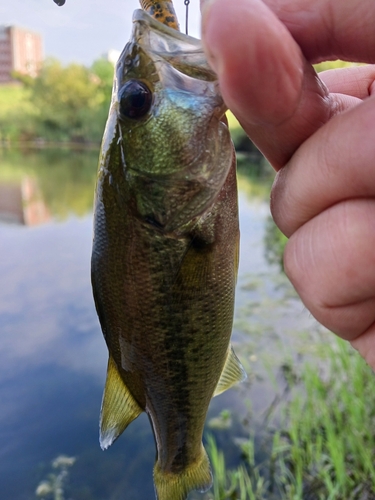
166,250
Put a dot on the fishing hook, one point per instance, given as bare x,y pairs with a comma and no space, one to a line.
187,3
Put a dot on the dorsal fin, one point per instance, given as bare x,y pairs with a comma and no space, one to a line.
119,408
232,373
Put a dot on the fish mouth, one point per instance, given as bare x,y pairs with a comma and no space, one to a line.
143,16
183,52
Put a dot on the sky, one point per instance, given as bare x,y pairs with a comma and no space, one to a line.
83,30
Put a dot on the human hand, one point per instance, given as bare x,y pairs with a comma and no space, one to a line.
318,132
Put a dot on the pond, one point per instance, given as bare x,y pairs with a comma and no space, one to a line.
53,356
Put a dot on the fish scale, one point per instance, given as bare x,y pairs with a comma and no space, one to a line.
165,251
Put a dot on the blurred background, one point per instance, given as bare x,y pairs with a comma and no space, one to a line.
300,427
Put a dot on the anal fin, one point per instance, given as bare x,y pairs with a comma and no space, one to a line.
232,373
119,408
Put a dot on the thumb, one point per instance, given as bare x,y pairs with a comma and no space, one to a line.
264,78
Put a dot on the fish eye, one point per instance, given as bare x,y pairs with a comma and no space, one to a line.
135,99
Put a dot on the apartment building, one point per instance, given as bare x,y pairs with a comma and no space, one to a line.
21,50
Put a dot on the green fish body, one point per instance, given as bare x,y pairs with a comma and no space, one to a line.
165,251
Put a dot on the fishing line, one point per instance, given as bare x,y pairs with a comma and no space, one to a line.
187,3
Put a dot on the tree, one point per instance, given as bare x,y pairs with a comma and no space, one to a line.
62,97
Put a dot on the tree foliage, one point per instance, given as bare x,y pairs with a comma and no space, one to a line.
62,104
69,103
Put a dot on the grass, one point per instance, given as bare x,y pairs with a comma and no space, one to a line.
325,447
333,427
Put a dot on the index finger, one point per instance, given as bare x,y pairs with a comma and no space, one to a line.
328,29
264,77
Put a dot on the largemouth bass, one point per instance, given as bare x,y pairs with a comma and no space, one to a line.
165,250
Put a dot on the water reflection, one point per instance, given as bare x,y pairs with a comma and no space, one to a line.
22,203
53,354
63,179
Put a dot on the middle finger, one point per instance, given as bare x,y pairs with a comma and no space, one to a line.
334,164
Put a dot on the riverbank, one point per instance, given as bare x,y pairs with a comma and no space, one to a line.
324,445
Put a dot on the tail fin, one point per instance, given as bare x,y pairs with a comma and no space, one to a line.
196,476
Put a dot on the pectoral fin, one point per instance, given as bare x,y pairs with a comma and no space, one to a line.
119,408
232,373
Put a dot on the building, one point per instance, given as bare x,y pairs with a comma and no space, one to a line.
21,50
